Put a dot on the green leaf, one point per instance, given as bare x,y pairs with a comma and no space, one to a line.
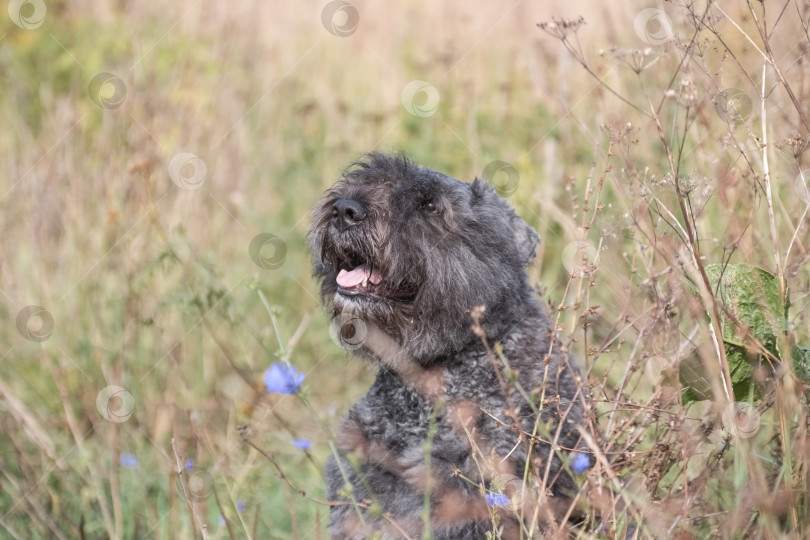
696,386
741,371
801,363
750,296
751,310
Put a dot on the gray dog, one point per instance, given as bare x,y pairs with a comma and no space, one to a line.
426,277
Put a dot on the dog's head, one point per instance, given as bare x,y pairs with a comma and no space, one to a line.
413,251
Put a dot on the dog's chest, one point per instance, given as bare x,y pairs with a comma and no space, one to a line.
397,413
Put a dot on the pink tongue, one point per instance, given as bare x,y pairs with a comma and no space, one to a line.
355,277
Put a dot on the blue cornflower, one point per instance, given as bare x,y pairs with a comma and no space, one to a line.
302,444
189,464
496,499
130,461
283,378
580,462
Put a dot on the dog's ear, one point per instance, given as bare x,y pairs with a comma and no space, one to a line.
526,240
481,190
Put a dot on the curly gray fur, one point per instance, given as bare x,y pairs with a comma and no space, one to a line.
452,256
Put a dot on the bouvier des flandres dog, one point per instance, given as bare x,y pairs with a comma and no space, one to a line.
426,277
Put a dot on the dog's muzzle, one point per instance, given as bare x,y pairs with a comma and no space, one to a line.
347,213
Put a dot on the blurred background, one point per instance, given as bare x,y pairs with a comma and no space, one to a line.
158,163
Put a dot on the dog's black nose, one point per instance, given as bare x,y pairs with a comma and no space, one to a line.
347,213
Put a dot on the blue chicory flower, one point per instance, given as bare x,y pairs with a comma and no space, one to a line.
302,444
579,462
496,499
130,461
240,507
283,378
189,464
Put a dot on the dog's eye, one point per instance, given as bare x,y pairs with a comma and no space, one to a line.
429,206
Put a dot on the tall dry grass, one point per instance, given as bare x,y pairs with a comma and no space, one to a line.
643,157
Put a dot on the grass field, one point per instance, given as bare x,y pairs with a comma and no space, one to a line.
146,146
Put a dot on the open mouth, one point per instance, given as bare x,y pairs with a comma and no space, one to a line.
367,281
